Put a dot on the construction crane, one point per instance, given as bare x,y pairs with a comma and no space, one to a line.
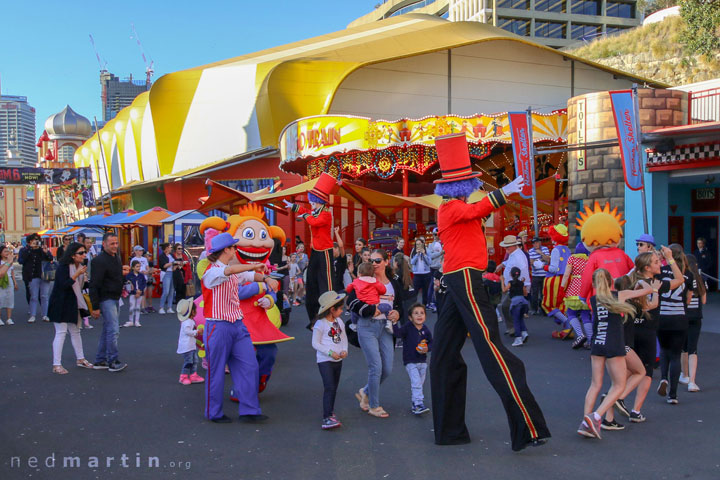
102,63
148,66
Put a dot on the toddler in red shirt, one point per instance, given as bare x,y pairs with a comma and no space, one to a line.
367,288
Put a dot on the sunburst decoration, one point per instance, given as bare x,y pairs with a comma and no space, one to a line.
600,226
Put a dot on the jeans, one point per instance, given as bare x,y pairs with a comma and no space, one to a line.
422,282
417,372
671,345
168,291
518,309
330,373
61,330
190,361
107,350
39,296
377,346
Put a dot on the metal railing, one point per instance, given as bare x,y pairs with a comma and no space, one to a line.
704,106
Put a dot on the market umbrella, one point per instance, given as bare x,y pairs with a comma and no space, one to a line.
150,217
90,221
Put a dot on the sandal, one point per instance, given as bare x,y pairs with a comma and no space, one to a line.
59,369
378,412
363,399
82,363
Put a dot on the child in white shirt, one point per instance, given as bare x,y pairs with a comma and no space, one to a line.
330,341
186,342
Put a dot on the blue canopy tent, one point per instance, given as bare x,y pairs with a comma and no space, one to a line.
113,220
89,221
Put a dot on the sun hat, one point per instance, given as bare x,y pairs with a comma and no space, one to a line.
184,307
221,242
647,238
509,241
328,300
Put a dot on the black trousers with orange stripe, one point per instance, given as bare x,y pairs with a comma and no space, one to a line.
318,281
467,309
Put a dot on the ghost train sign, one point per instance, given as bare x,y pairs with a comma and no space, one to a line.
45,176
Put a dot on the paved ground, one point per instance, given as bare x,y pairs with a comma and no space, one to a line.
144,413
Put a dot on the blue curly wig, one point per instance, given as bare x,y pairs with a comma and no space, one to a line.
580,248
461,188
315,199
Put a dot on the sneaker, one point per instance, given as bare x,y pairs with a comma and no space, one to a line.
419,409
662,387
46,318
31,320
253,418
137,324
100,366
161,311
1,323
170,310
692,386
637,417
620,406
579,342
524,336
10,321
683,379
585,430
389,327
330,422
518,342
117,366
672,401
127,324
223,419
185,380
593,424
195,378
611,425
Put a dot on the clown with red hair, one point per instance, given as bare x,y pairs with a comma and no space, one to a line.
553,296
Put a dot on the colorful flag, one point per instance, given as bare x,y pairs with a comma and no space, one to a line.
522,150
623,106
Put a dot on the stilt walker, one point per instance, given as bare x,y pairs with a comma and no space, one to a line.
320,267
467,309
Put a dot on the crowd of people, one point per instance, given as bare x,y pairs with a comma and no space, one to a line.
626,312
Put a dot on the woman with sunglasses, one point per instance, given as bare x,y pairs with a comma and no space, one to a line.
66,305
376,342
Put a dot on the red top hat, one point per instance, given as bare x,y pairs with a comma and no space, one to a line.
454,158
325,186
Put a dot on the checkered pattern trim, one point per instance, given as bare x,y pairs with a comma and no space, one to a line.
684,154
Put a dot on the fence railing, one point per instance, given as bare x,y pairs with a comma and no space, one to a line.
704,106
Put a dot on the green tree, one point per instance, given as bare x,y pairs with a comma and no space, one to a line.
702,35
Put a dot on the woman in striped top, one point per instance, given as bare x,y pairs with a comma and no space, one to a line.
689,357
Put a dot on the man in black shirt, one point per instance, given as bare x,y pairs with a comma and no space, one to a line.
106,284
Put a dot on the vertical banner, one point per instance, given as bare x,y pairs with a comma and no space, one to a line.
623,106
581,124
522,150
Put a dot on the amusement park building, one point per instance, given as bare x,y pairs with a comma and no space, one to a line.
222,120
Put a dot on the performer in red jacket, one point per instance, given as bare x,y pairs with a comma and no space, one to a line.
320,266
467,309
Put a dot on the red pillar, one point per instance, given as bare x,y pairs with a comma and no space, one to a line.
405,213
292,229
365,219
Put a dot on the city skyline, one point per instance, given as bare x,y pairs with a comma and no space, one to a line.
53,72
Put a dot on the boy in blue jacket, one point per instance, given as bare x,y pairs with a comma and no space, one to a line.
417,342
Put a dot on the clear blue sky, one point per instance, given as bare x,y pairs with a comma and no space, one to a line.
47,56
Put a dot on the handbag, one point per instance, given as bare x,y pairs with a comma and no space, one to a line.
190,289
87,301
48,271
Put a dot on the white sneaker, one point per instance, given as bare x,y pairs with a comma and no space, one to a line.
137,324
683,379
10,322
388,327
128,324
692,387
1,322
46,318
524,335
170,310
31,320
518,342
161,311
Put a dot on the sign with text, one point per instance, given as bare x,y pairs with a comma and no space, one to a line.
625,124
581,124
522,145
47,176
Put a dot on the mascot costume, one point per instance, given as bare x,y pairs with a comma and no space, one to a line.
257,301
467,309
552,299
601,232
576,309
320,267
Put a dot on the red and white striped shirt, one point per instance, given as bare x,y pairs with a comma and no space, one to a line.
220,293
